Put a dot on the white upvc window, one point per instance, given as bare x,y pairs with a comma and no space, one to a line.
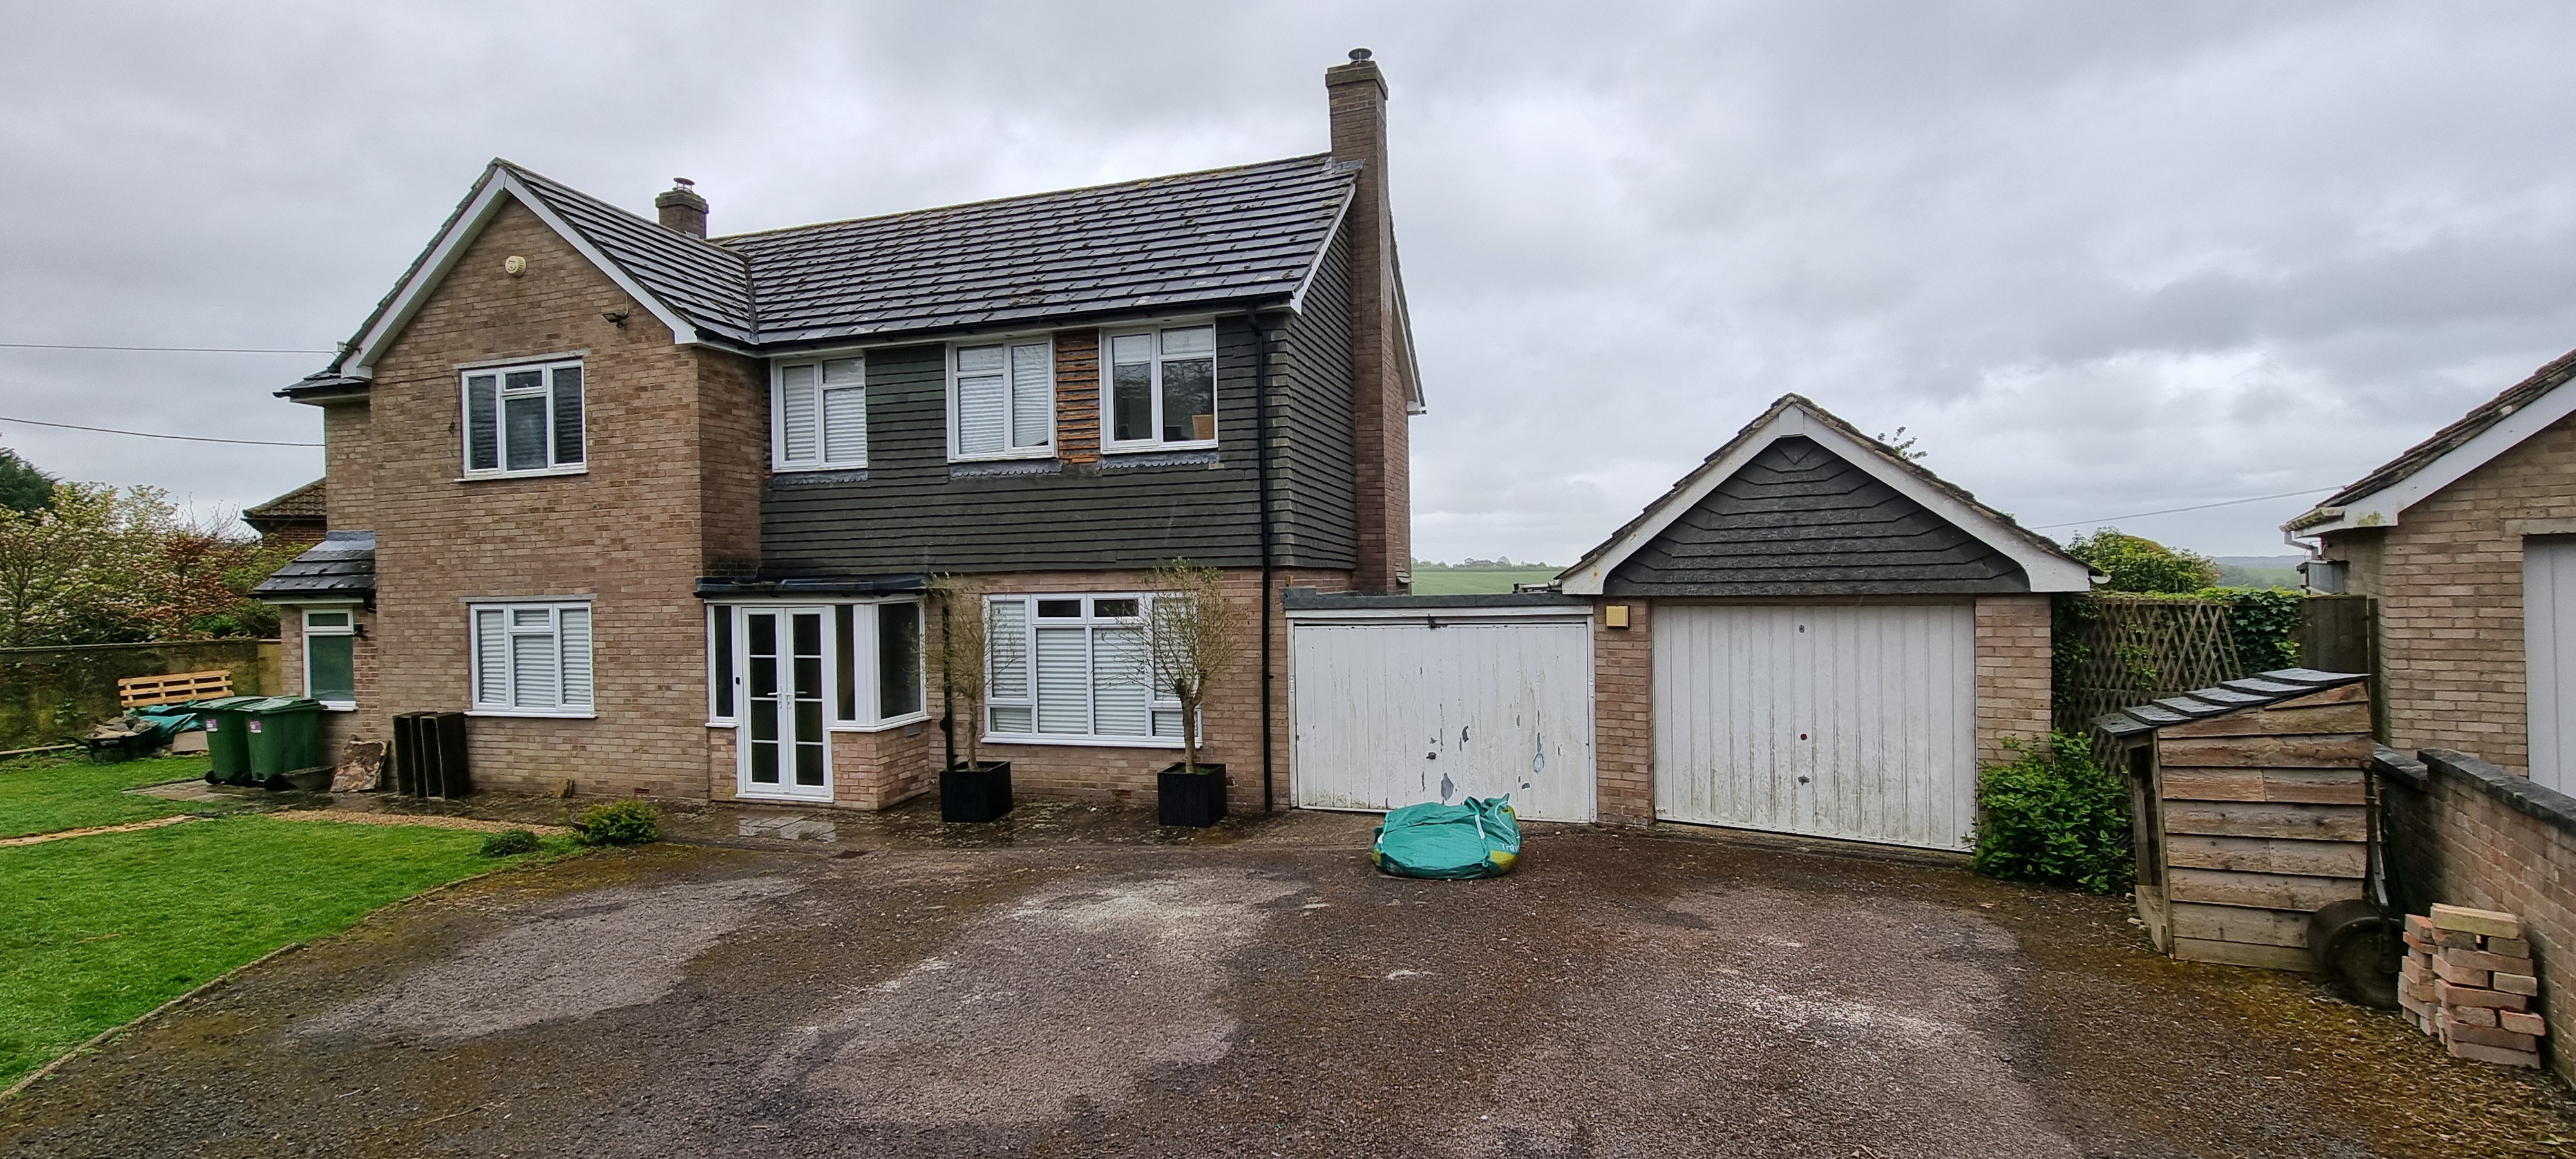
819,414
871,662
1161,388
1071,669
524,420
331,656
1001,399
531,659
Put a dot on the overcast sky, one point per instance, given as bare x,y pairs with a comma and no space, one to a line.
2101,259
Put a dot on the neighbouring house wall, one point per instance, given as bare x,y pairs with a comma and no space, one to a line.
1623,714
338,727
349,465
2015,673
2448,577
48,695
2465,832
912,510
632,532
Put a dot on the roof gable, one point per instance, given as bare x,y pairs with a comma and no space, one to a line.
2495,426
1798,519
1731,527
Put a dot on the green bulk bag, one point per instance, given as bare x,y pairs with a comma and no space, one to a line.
1470,839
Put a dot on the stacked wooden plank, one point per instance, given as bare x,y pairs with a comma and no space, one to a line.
2468,980
2251,812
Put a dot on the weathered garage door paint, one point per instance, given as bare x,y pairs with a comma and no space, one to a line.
2549,657
1393,711
1852,722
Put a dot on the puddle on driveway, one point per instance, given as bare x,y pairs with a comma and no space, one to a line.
588,954
1071,995
791,827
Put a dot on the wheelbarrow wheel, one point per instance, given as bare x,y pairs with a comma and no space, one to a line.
2358,947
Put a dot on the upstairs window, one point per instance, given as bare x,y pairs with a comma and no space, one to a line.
1162,389
820,415
1001,400
524,420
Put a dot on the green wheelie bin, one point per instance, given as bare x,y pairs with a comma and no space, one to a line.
227,738
285,736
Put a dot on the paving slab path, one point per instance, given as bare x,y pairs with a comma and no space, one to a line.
1264,994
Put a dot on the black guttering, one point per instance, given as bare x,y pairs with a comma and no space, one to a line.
734,587
1261,487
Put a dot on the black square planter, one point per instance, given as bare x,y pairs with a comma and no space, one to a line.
1191,796
976,794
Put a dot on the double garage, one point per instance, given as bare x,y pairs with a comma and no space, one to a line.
1807,635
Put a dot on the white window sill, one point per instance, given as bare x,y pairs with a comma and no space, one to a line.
878,726
537,713
809,797
338,706
1045,452
1093,742
784,468
1151,448
542,473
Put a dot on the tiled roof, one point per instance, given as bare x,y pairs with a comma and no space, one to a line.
310,501
701,279
343,564
2452,437
2258,691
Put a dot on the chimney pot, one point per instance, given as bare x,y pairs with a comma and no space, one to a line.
681,208
1359,54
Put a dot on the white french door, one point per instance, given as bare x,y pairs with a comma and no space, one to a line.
783,749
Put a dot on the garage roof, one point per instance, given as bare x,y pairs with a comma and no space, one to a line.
1800,503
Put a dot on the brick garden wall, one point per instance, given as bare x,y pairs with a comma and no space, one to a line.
2466,832
48,695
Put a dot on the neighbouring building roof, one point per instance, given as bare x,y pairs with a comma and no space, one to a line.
1800,503
2492,428
1186,242
309,501
342,566
2258,691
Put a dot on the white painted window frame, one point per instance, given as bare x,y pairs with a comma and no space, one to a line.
1109,404
863,666
778,460
948,371
477,706
1156,701
500,373
349,630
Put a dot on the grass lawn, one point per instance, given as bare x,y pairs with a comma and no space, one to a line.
1480,581
47,794
95,931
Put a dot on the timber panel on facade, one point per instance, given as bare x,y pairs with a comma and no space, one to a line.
1314,501
1801,520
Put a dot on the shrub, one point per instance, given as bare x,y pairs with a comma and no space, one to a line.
619,823
2143,565
2054,816
2262,622
509,843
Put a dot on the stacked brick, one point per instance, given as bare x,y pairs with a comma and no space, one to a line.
2468,981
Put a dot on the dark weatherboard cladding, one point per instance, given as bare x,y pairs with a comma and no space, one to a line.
912,510
1799,520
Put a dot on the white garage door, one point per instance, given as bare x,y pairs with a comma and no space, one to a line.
1849,722
1398,710
2549,657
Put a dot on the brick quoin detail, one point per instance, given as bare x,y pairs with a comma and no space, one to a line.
2014,673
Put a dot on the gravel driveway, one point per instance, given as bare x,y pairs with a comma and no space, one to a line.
1263,993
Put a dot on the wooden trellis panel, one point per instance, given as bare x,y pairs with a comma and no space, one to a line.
2142,648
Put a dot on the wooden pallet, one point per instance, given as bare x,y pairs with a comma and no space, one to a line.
138,691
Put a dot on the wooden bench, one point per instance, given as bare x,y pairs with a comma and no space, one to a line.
138,691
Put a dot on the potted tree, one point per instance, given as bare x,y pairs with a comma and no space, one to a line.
974,789
1193,636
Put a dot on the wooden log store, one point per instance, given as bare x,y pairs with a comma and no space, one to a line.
2251,806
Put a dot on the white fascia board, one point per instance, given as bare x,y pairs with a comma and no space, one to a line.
2046,572
450,248
1460,615
2381,508
1297,300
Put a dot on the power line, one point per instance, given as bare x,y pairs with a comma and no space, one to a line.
2179,510
162,349
150,435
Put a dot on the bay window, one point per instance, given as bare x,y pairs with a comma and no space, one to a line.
1162,388
1001,399
859,662
819,415
1072,669
524,420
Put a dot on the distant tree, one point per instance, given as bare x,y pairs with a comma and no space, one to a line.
97,565
2137,564
23,488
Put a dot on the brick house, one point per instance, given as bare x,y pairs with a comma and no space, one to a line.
2467,541
658,509
301,516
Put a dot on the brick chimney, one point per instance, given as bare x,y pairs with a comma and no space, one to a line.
682,209
1380,430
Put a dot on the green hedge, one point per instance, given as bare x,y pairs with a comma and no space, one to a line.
2055,816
